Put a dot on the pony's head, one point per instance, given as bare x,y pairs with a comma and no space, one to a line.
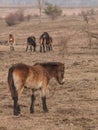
60,74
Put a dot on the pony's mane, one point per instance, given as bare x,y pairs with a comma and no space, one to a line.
50,63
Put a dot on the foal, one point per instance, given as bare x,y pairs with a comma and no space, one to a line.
34,77
11,41
31,41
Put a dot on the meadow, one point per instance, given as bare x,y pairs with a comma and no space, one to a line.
72,106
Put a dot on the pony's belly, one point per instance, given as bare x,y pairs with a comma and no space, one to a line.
33,85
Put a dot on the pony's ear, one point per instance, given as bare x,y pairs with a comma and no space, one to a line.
63,64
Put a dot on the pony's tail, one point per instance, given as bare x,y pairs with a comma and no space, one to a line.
11,85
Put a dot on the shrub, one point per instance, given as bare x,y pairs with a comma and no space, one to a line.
20,16
14,18
28,17
52,11
85,16
11,19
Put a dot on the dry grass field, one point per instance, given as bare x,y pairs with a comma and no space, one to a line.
72,106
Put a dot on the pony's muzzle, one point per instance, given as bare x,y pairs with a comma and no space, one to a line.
62,82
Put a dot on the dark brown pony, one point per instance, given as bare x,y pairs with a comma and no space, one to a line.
31,42
34,77
45,41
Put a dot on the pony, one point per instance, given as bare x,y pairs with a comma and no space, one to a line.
31,41
11,41
45,42
49,45
35,77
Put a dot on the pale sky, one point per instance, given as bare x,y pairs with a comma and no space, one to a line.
57,2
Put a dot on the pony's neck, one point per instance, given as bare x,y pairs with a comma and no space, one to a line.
52,75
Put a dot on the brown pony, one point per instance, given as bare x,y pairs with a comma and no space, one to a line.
11,41
34,77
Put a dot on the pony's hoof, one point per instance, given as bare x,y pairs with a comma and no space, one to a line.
31,111
16,113
46,111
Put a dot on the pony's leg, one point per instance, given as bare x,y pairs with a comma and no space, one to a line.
12,48
51,47
31,47
27,48
47,47
41,46
44,47
32,102
34,48
44,104
44,100
16,106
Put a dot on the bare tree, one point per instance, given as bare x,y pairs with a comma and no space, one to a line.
40,6
86,19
